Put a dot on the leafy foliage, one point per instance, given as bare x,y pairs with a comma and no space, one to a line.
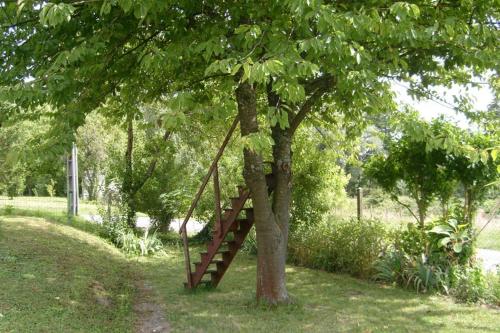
430,160
318,181
339,246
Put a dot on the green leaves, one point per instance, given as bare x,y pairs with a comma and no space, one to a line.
289,91
225,66
455,235
259,73
403,10
258,142
250,31
278,116
54,14
442,229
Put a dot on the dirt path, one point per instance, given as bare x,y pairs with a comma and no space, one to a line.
149,311
490,258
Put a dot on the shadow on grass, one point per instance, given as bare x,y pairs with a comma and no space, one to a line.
324,302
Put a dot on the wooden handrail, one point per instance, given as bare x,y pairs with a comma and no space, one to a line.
209,174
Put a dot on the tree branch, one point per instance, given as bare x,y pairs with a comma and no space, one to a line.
317,88
152,166
395,198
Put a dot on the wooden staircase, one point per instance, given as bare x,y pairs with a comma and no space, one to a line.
227,238
230,229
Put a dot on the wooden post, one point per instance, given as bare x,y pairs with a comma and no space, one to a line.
186,256
76,189
69,183
72,173
218,225
359,201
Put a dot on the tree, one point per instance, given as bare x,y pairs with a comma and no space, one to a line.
475,169
432,159
409,160
12,173
288,58
94,140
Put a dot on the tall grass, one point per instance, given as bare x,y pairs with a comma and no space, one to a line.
346,246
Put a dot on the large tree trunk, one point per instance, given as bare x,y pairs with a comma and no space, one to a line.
271,229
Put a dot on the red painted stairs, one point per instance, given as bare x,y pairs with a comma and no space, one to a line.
227,239
231,228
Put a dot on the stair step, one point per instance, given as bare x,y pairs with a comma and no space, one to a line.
210,271
207,283
216,252
235,201
213,261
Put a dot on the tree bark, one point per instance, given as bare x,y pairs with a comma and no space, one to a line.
130,186
271,238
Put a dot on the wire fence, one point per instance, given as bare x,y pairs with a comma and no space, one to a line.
47,204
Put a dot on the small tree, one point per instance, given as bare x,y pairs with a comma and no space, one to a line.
475,168
410,161
432,159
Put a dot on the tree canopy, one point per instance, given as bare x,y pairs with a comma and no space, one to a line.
274,63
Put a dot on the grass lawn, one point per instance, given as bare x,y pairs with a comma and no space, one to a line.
325,302
47,204
54,278
55,205
490,237
51,270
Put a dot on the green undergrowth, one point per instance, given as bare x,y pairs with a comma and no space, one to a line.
52,269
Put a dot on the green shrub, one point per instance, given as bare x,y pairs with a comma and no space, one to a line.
453,240
250,244
116,229
339,246
413,272
169,237
469,284
472,285
494,288
436,258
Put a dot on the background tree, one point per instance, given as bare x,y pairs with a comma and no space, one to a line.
410,162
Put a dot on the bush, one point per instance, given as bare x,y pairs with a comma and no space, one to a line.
439,258
115,229
339,246
494,287
250,244
413,272
472,285
469,284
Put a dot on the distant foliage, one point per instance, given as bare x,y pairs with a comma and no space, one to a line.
430,161
250,244
318,180
346,246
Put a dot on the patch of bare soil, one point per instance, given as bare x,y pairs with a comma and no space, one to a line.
149,312
100,294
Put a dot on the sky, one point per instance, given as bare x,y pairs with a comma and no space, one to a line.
430,109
